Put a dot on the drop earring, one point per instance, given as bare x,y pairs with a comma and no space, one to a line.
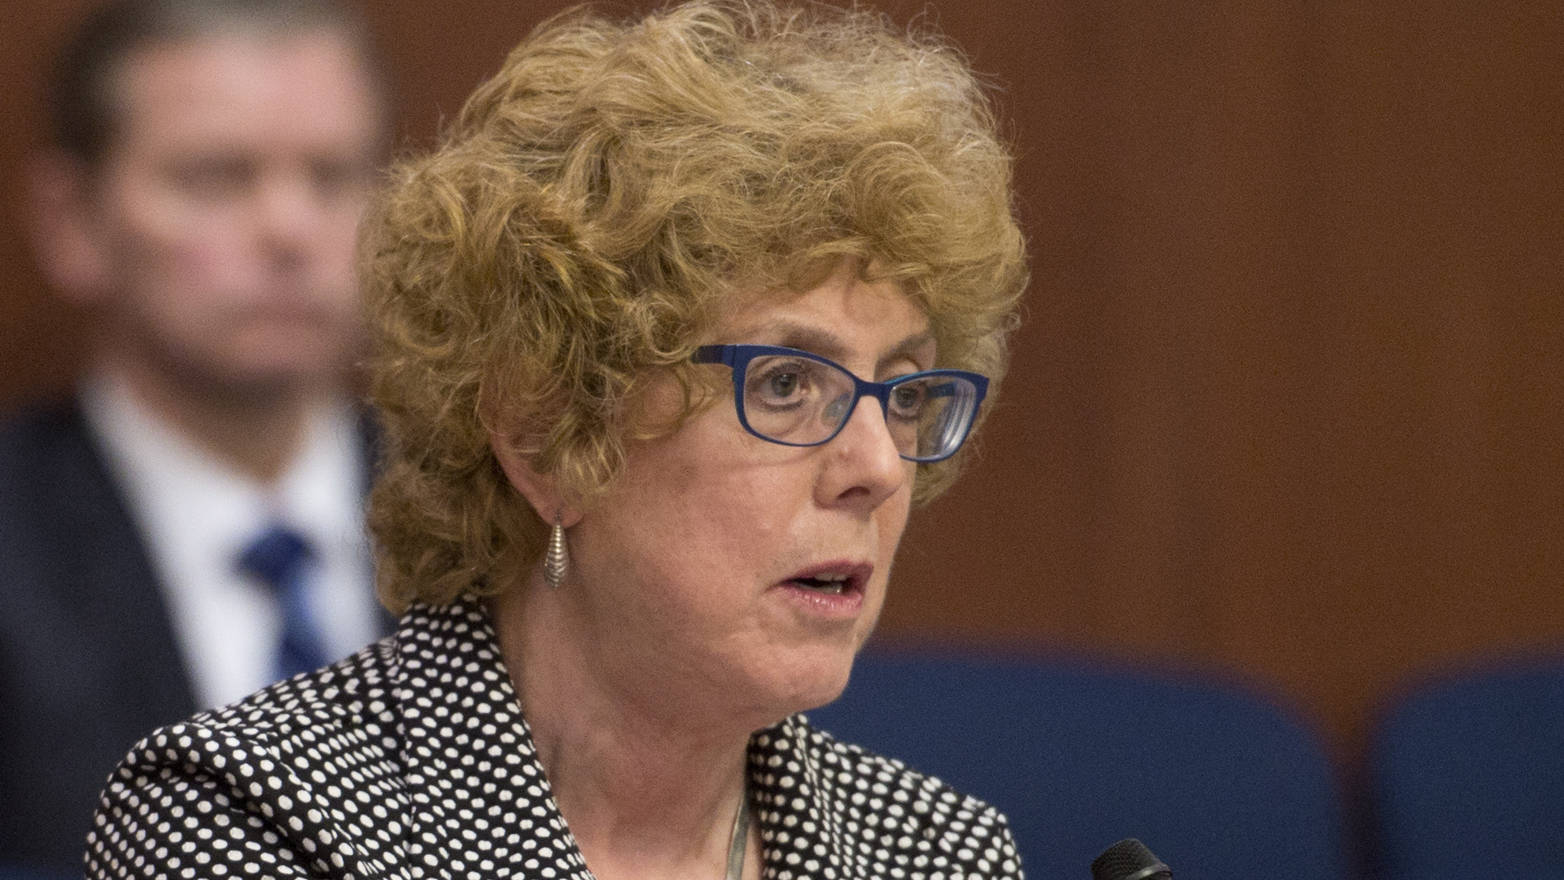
557,560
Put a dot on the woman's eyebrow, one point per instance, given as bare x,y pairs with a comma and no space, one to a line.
909,349
805,337
823,342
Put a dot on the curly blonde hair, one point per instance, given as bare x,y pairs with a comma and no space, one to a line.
598,201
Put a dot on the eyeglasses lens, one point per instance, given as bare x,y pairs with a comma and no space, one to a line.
795,400
928,416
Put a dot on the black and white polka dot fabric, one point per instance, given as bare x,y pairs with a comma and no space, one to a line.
411,759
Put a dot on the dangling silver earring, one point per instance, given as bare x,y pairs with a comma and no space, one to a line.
557,560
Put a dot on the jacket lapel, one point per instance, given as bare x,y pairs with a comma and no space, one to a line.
800,835
479,803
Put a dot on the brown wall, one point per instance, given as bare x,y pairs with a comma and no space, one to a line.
1289,400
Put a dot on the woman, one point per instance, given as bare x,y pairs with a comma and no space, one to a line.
673,330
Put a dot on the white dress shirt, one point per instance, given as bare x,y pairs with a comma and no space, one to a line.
197,515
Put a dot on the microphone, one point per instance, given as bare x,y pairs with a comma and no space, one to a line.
1129,860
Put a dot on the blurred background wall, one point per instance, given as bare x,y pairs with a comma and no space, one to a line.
1288,404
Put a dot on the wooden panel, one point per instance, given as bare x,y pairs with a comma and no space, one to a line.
1287,404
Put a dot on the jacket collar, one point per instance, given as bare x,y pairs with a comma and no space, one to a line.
474,784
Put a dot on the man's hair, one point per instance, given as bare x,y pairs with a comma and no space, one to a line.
83,105
605,196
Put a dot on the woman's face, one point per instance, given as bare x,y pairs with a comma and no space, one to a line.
742,575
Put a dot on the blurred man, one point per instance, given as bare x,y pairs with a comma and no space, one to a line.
188,528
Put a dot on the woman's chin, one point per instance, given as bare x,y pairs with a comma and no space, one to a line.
815,683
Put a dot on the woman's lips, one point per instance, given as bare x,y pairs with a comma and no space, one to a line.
834,589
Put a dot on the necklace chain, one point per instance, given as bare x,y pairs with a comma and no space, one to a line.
739,841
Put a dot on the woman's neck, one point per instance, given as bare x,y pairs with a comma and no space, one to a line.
648,789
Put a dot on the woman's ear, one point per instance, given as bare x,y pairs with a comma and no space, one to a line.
541,490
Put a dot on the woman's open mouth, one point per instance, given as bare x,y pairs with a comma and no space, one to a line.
835,589
830,584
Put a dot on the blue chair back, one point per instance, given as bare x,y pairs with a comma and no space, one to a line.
1219,782
1466,776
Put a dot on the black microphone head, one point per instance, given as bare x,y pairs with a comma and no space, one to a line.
1129,860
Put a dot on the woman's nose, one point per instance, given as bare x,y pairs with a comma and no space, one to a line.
864,466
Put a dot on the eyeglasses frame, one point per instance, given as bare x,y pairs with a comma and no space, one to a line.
738,356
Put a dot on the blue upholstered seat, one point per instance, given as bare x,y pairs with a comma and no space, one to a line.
1218,781
1466,775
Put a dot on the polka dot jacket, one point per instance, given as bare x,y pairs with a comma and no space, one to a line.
411,759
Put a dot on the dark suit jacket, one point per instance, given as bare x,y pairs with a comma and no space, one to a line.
88,657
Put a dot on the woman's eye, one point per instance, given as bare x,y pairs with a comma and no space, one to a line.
781,385
907,400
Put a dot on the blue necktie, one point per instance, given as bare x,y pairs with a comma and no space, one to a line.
282,560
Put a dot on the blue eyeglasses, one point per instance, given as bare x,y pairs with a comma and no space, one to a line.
797,398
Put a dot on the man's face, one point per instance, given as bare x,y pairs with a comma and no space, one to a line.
222,217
